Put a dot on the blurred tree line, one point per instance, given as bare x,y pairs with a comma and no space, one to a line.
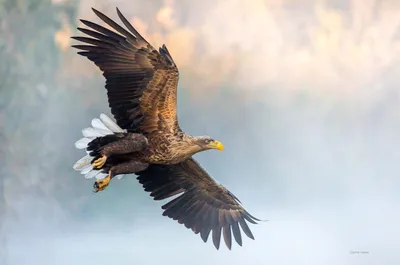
30,59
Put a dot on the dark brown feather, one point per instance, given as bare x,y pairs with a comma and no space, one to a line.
204,233
236,233
227,235
216,236
204,205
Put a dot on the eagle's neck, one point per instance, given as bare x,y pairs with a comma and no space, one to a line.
189,146
180,148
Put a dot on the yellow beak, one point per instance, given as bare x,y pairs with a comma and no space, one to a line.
217,145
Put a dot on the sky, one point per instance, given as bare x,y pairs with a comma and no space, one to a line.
304,96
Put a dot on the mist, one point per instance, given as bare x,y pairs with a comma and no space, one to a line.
303,94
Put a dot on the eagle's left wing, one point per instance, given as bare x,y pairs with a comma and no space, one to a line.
203,206
141,82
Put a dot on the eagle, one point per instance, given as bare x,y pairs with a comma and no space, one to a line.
146,139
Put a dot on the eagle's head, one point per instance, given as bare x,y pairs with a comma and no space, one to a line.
206,143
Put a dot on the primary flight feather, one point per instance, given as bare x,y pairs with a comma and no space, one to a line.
146,139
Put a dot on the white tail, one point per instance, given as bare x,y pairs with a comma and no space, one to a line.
100,127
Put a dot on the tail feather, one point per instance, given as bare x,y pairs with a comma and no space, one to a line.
110,124
86,169
82,143
95,174
81,163
105,128
98,124
94,132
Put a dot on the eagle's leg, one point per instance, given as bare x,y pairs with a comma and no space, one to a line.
123,168
132,142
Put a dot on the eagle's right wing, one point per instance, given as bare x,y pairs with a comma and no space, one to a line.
141,82
203,206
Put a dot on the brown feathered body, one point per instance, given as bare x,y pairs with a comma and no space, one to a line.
165,150
141,85
177,149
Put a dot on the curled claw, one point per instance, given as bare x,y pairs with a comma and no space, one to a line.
101,184
98,163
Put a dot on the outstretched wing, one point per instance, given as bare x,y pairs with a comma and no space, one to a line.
141,82
203,206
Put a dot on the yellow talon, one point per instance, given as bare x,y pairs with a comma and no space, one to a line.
98,163
101,184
